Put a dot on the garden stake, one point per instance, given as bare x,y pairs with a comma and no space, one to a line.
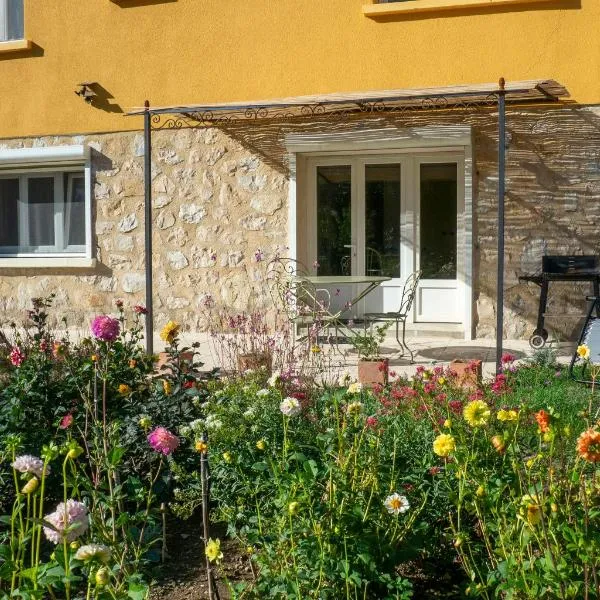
213,592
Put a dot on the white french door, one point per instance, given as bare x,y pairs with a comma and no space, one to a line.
388,214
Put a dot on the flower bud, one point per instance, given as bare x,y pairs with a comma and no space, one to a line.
293,508
30,486
480,491
227,457
74,545
145,422
261,444
102,576
498,444
75,452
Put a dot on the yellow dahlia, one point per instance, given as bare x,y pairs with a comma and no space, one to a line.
124,389
508,415
583,351
169,332
476,413
213,551
444,444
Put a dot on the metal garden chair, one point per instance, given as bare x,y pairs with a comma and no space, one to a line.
305,305
408,295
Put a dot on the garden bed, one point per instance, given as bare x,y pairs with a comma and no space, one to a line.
437,485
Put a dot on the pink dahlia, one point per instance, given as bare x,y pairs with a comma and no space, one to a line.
69,521
163,440
105,328
26,463
16,356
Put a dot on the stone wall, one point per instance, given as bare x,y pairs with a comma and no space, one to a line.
221,196
216,206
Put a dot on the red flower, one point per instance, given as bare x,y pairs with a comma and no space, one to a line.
16,356
372,422
435,470
188,384
66,421
140,310
507,358
455,406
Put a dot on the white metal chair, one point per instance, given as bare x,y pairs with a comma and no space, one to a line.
408,295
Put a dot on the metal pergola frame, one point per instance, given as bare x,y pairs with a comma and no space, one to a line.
341,106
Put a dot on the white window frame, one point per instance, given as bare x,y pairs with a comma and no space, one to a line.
57,161
4,32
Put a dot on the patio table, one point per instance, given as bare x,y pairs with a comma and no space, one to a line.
372,282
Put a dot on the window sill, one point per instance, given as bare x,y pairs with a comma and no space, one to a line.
15,46
77,262
425,6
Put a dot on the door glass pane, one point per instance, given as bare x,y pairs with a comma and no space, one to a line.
9,212
334,220
382,220
438,221
41,211
75,213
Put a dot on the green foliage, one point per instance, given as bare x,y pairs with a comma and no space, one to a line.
87,410
368,343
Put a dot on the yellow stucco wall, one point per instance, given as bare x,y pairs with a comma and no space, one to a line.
186,51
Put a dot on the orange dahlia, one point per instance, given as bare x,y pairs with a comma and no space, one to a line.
588,445
543,420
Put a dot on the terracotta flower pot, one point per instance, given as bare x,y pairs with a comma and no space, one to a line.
163,359
373,371
468,372
255,361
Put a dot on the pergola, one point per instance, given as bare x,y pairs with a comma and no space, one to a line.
340,106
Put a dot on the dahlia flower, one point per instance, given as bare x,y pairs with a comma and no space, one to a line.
169,332
16,356
396,504
588,445
105,328
163,441
476,413
27,463
355,388
583,351
444,444
98,552
68,522
290,407
543,420
507,415
213,550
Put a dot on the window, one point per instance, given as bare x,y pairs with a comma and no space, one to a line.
44,208
11,20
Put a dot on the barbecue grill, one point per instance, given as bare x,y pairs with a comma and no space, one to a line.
561,268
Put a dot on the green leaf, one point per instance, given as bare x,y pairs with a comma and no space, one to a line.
137,590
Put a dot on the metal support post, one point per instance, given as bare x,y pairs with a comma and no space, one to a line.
501,193
148,225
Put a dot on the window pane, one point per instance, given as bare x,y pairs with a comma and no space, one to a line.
382,220
9,212
15,20
438,221
41,211
75,213
333,220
